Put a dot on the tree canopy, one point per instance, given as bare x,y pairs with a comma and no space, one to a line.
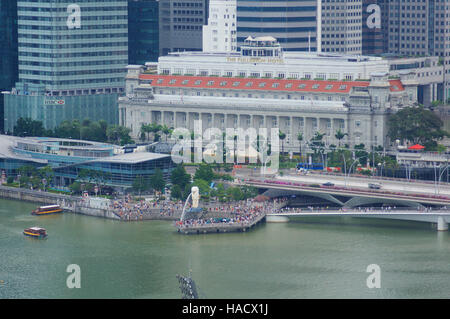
417,126
97,131
180,177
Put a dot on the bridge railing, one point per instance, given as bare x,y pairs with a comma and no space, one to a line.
371,191
380,179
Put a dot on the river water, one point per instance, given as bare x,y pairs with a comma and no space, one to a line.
293,260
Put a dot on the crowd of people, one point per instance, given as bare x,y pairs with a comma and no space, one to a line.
126,209
235,212
242,213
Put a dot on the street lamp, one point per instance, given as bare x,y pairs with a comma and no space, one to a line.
440,175
350,169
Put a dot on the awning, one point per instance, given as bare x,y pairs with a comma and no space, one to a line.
416,147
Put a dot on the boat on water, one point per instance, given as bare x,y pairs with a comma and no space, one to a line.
35,232
45,210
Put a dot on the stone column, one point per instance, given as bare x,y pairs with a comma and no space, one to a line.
162,117
293,138
188,120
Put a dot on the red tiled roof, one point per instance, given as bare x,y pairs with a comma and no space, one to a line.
178,81
396,86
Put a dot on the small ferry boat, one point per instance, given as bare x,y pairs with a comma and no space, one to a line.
45,210
35,232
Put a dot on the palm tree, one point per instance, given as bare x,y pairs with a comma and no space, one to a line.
144,130
166,130
282,137
300,139
155,128
340,135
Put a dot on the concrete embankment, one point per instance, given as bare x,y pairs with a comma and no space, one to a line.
220,227
73,204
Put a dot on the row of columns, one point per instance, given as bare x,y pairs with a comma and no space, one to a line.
290,125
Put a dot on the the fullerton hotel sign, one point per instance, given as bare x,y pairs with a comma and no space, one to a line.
256,60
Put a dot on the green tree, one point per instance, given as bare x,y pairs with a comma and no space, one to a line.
361,153
166,131
75,187
68,129
46,173
176,192
140,184
300,140
180,177
417,126
235,193
282,137
204,172
340,136
317,145
157,181
28,127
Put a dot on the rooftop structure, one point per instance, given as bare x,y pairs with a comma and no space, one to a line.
263,57
68,157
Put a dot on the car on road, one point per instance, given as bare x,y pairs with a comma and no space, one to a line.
328,184
374,186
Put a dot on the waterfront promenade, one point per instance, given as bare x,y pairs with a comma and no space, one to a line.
239,217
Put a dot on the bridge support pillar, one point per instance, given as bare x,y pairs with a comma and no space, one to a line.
277,219
442,225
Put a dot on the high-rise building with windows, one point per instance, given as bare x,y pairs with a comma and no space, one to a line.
8,49
181,24
372,35
420,28
72,59
295,24
143,31
220,35
342,26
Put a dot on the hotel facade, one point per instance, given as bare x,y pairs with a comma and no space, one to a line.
262,87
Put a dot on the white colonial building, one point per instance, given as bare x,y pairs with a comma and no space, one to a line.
263,88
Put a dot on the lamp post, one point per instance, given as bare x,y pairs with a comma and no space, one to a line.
440,175
350,169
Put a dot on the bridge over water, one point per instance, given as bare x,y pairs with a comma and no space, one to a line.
355,192
440,217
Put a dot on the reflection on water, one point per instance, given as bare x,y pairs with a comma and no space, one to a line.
311,259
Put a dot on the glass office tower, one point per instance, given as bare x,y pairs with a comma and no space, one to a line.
143,27
8,49
295,24
72,59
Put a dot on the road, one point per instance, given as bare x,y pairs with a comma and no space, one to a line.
361,182
411,187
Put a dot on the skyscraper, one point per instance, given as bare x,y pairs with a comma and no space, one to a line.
181,24
72,60
143,31
8,49
420,28
221,32
342,26
372,35
295,24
